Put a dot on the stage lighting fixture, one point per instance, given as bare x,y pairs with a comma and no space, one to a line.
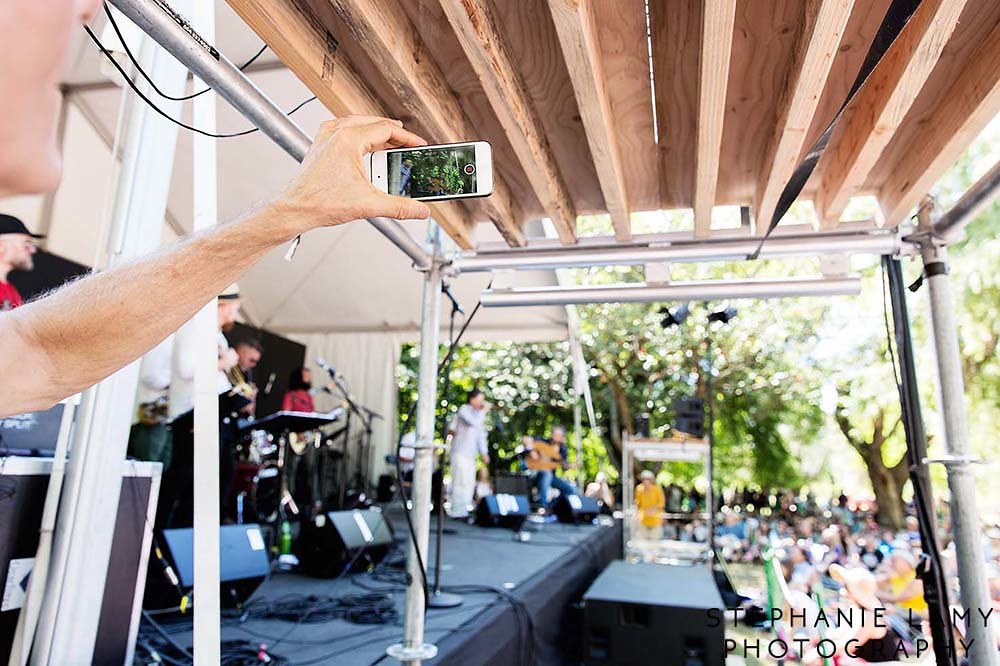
725,316
675,318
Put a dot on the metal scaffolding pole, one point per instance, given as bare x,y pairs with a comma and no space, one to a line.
177,36
207,627
983,192
413,649
958,463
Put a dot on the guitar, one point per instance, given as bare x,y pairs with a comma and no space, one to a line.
539,455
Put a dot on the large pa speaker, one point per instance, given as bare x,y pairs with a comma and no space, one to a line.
243,561
330,542
576,509
503,510
643,613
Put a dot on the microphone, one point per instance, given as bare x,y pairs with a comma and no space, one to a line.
330,371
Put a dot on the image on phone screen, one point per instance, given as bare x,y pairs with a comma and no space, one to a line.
432,172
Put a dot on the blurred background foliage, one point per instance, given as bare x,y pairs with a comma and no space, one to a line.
804,389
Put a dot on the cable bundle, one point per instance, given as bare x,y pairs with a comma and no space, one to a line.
372,608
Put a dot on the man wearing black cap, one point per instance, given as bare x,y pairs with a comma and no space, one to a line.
17,246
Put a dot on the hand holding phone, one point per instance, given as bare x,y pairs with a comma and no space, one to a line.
435,173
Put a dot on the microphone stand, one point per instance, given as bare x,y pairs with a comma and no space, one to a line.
437,598
366,415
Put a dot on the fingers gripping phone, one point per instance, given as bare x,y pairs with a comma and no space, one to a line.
434,173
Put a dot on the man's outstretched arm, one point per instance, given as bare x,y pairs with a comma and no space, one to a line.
82,333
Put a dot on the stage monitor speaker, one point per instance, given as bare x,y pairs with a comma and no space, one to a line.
576,509
243,561
330,542
512,483
644,613
503,510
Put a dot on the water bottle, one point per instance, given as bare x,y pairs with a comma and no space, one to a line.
285,544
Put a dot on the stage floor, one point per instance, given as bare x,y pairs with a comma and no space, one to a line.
545,575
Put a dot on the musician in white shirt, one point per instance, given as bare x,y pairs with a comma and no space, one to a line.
468,439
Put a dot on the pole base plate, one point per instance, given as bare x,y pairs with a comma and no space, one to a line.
444,600
406,654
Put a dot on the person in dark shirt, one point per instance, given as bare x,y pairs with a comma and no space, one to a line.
298,397
17,249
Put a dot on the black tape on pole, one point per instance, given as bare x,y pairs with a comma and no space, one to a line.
895,19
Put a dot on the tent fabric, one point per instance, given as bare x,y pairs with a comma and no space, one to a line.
348,279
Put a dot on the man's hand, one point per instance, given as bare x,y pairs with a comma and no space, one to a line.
112,319
228,359
486,459
332,187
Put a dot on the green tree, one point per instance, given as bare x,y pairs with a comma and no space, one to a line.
529,384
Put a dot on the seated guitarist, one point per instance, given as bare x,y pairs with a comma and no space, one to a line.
546,457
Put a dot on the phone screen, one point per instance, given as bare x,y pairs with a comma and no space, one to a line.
432,172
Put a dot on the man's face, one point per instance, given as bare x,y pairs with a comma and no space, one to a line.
249,357
36,39
478,401
307,377
558,436
17,250
228,309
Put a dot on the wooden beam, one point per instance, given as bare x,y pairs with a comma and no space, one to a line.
881,105
577,29
482,39
298,36
387,35
717,20
825,22
964,110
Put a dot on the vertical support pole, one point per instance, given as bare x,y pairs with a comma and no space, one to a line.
81,548
628,493
710,463
961,483
207,628
413,649
578,437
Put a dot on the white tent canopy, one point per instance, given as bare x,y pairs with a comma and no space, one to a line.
349,294
345,280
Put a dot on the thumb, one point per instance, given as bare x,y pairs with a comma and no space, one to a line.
402,208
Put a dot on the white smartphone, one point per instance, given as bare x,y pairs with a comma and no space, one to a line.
434,173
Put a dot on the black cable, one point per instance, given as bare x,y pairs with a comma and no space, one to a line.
170,639
135,62
144,98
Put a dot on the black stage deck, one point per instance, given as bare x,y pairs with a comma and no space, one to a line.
547,575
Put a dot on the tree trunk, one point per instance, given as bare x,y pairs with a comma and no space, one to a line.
889,496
